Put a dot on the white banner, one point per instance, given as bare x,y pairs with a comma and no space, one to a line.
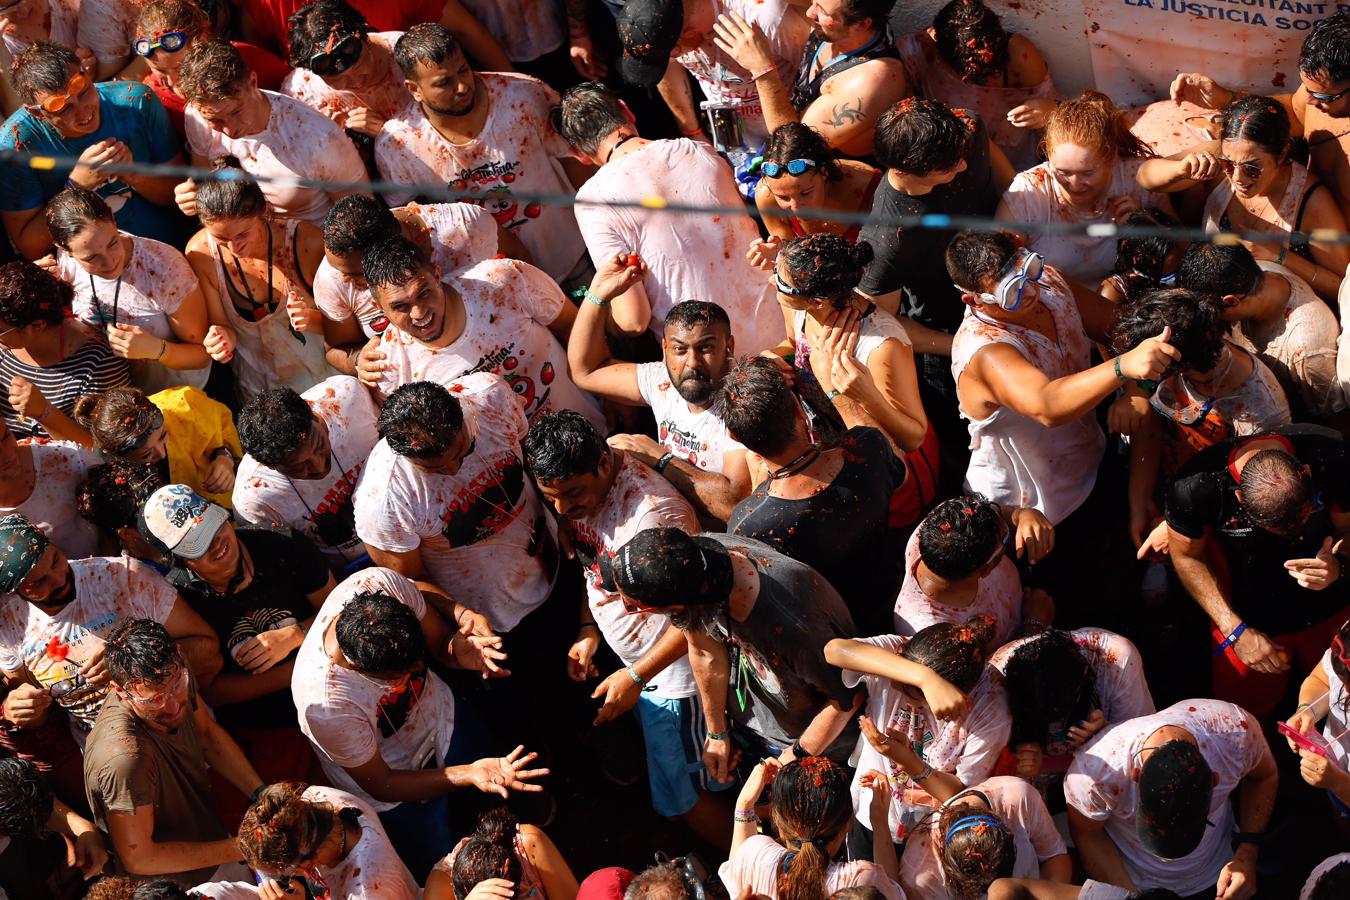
1138,46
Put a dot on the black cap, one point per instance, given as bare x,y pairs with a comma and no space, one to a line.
663,567
1175,788
649,29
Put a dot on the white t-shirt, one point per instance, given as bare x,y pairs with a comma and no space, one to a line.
58,469
349,716
1032,197
53,648
484,535
968,748
109,33
154,284
998,594
639,499
322,508
698,437
372,869
296,143
758,861
1323,868
687,256
1101,787
508,306
723,79
62,22
460,235
1035,838
1336,728
225,890
517,149
526,29
387,96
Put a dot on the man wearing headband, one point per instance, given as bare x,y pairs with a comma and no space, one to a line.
736,596
1024,380
1150,800
1255,527
673,260
55,614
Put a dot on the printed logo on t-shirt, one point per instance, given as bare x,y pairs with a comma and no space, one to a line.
533,390
588,546
253,623
56,662
333,521
487,505
683,444
399,701
495,178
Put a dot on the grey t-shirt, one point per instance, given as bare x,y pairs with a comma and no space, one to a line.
779,677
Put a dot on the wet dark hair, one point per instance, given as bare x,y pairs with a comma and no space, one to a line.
379,635
393,262
970,38
826,266
587,114
1197,329
919,137
1049,680
311,25
692,313
281,828
1333,885
1140,260
420,419
1219,271
976,856
1276,492
235,195
757,406
797,141
428,43
72,211
273,425
811,806
957,653
29,294
976,257
1325,54
117,419
1258,119
26,799
140,651
212,70
44,68
879,11
489,852
358,222
113,493
959,536
562,445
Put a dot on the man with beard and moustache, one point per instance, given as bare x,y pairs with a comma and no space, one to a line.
56,614
849,73
607,498
146,766
485,132
1319,109
695,452
501,316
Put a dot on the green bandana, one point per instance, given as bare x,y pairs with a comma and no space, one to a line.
21,546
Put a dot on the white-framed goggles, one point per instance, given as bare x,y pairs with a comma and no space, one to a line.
1008,293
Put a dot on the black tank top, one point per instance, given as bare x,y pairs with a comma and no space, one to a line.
807,89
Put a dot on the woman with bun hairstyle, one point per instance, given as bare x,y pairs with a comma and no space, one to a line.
257,274
321,842
184,435
1089,177
140,292
936,719
502,858
811,812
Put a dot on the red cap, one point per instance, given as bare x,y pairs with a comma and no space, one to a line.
605,884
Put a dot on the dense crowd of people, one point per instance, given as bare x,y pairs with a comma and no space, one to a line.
861,551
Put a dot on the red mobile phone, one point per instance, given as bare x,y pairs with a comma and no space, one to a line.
1312,741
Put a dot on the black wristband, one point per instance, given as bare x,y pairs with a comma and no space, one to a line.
664,461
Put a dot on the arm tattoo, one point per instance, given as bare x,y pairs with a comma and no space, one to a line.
846,114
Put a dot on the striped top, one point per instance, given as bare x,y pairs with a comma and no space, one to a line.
89,369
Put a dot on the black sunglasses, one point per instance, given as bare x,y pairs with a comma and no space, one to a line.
340,55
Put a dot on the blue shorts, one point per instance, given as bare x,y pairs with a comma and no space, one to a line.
673,731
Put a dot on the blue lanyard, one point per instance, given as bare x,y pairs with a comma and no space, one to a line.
863,49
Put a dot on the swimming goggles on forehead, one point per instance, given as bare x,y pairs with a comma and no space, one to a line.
169,42
1007,294
791,167
339,55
